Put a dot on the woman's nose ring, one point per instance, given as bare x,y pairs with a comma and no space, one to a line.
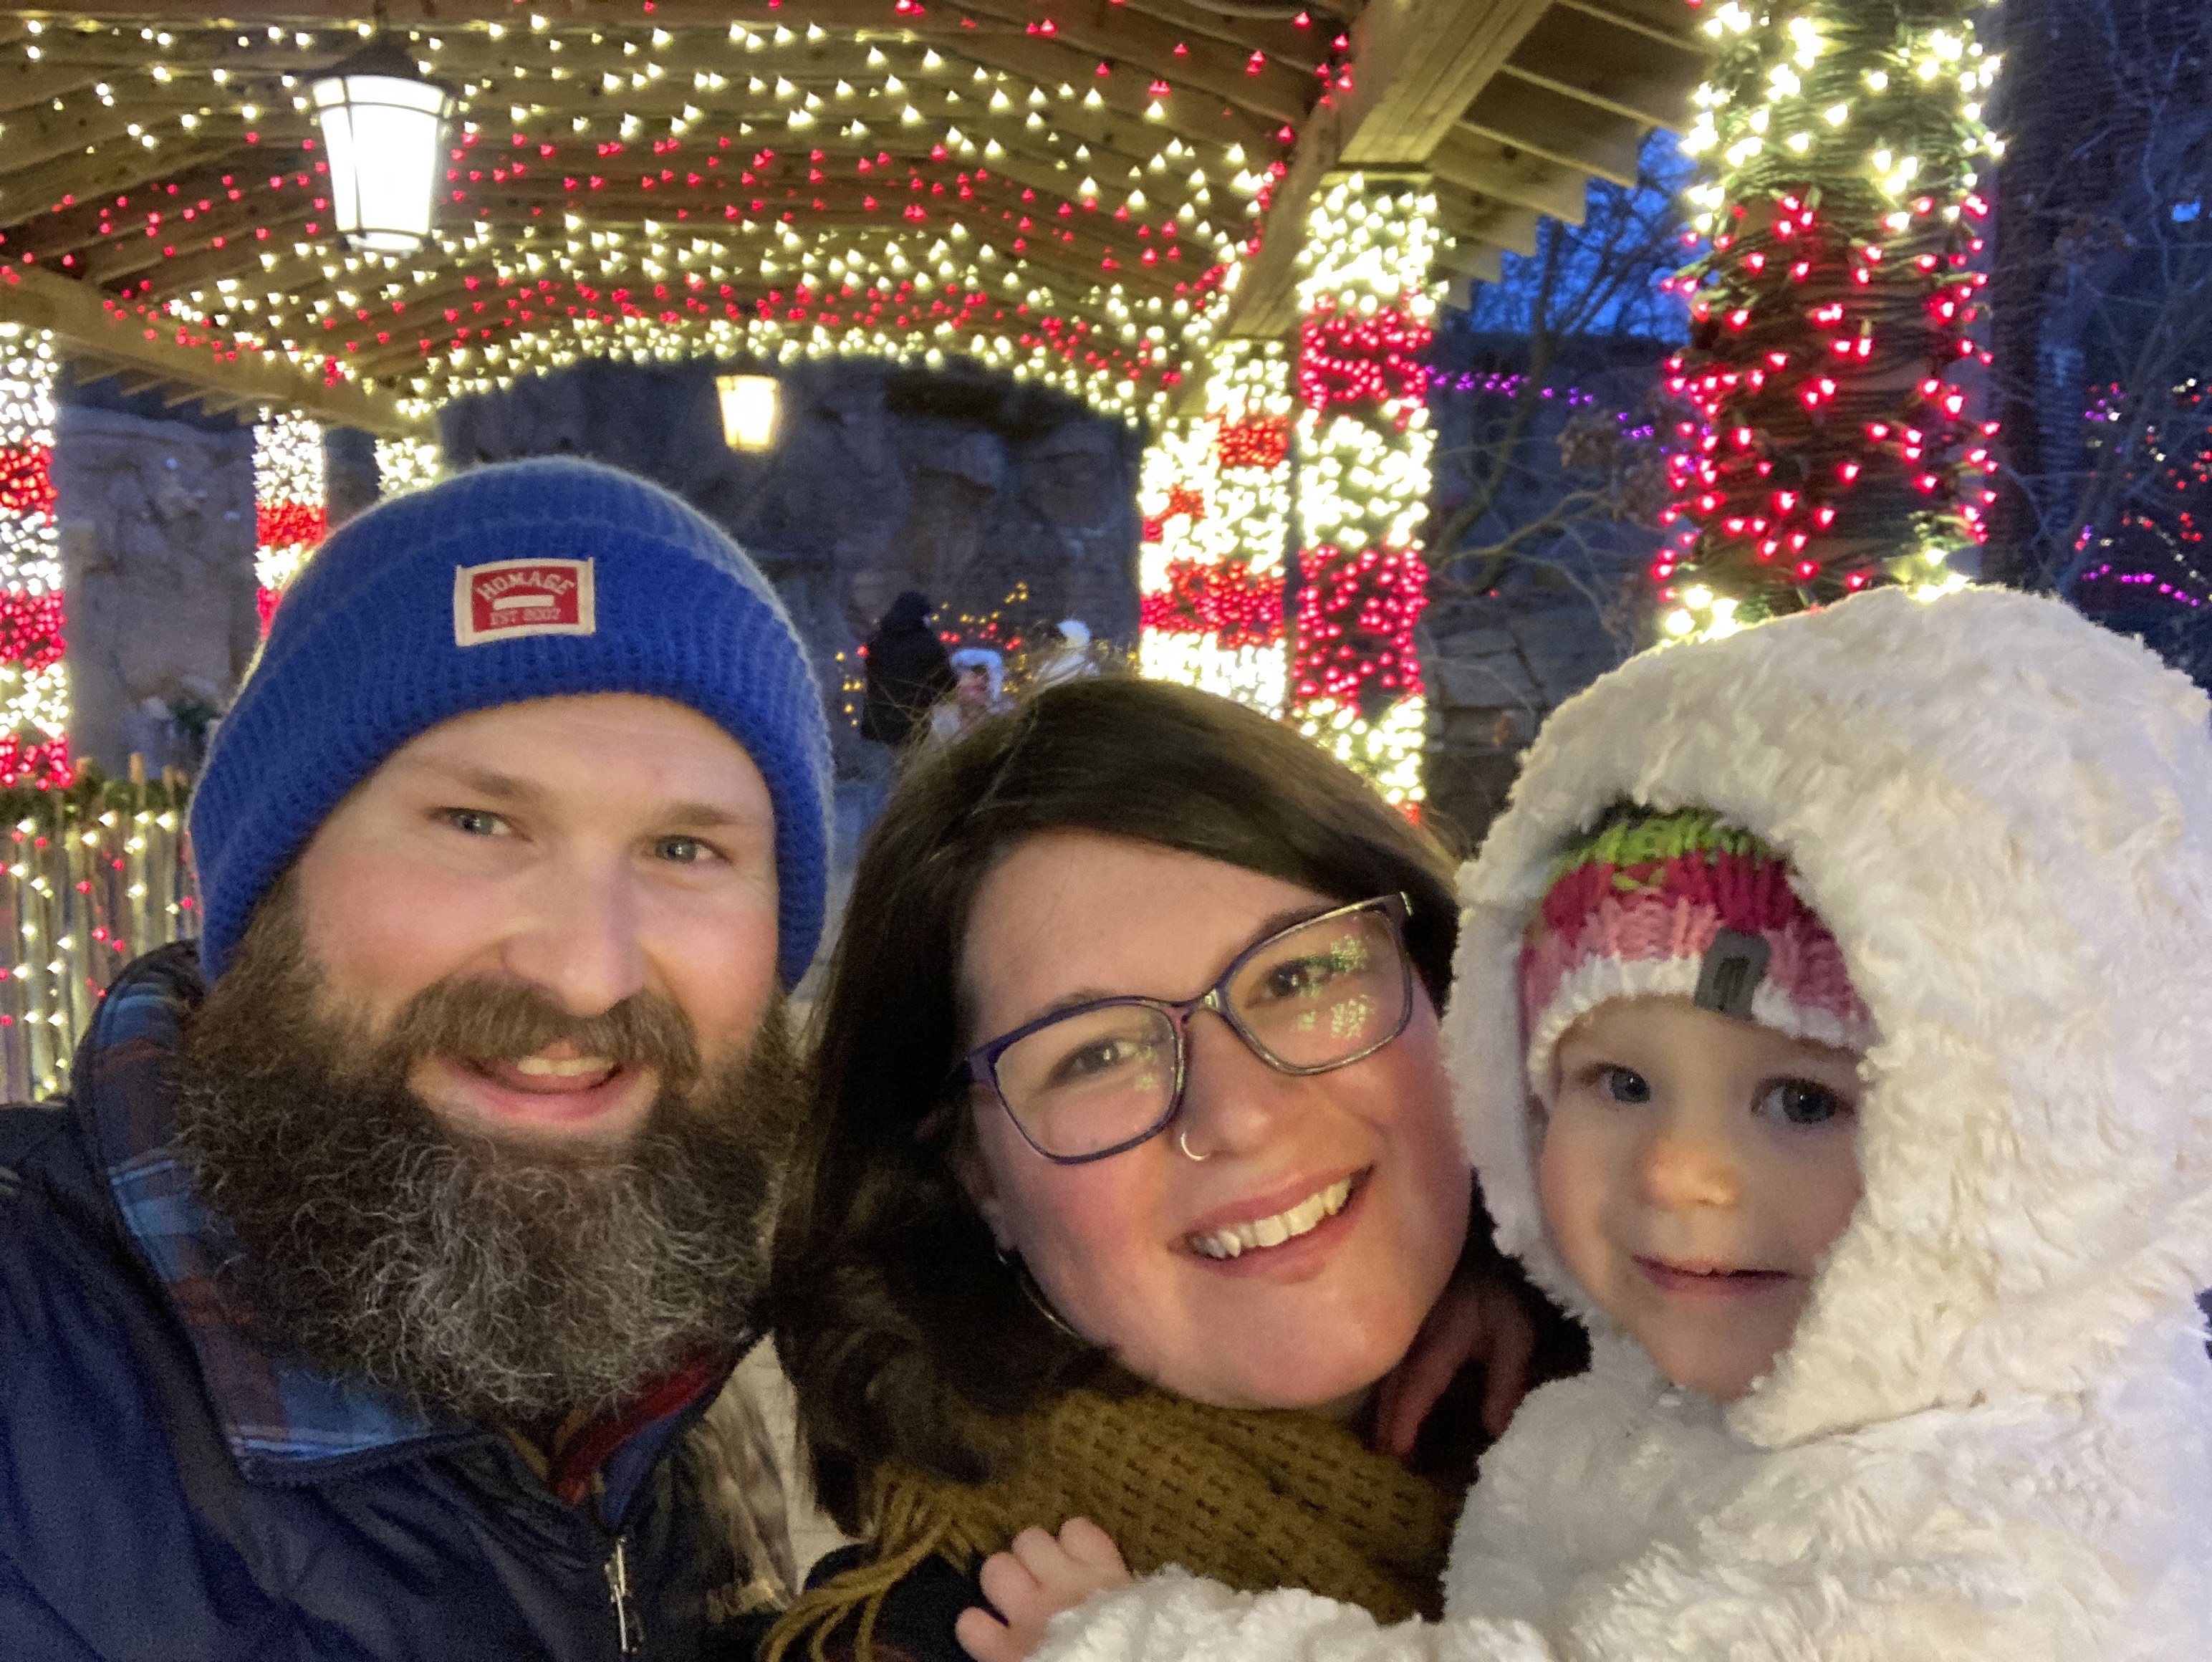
1182,1142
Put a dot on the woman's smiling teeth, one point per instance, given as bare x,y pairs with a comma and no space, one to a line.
1241,1238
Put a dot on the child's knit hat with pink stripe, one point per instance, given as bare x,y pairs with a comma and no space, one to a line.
1655,905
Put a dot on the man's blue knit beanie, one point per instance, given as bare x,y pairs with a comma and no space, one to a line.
526,579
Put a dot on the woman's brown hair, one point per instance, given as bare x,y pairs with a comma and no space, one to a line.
903,1333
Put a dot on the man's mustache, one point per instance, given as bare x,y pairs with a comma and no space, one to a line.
479,1019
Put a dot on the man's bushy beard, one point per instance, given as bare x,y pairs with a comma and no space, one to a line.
494,1278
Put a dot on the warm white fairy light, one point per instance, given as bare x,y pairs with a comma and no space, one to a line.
1214,493
404,464
1845,151
290,504
34,680
1364,475
553,102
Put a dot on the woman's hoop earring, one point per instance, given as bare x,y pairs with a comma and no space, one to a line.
1182,1142
1034,1293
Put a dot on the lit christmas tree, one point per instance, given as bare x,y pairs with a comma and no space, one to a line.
1830,304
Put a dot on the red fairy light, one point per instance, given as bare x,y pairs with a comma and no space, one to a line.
27,479
30,630
1346,359
1356,615
288,525
45,764
1227,602
1258,442
1181,499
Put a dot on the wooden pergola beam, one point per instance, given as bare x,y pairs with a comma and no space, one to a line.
232,226
401,361
26,82
1277,92
1279,37
183,273
1557,128
1497,225
24,196
1077,291
72,230
74,311
1416,64
1466,159
1610,64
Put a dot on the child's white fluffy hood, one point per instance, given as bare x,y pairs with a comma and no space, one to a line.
2014,849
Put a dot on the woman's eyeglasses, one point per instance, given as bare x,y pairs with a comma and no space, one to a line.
1084,1083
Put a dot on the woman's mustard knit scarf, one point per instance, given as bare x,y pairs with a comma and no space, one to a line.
1255,1499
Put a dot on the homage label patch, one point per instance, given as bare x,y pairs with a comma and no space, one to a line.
511,599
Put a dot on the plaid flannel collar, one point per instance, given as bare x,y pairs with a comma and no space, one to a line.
283,1419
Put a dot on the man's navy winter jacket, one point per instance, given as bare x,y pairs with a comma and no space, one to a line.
171,1491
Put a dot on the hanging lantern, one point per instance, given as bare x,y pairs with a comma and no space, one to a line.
381,123
748,407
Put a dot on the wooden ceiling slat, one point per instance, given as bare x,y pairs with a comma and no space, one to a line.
1421,61
1499,224
1669,22
127,257
1557,128
71,229
1279,37
31,192
184,272
400,358
74,311
1601,61
1482,262
35,137
718,193
1184,111
1509,106
304,282
1482,165
301,279
25,82
1278,92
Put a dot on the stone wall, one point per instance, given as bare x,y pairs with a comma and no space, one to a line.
157,526
1009,507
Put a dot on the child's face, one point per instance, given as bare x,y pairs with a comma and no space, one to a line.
1694,1170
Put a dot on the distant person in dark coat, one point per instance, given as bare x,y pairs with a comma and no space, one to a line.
907,671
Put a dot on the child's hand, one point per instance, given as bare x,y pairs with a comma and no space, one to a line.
1476,1322
1032,1582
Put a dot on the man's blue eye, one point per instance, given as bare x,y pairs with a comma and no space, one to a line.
474,822
684,850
